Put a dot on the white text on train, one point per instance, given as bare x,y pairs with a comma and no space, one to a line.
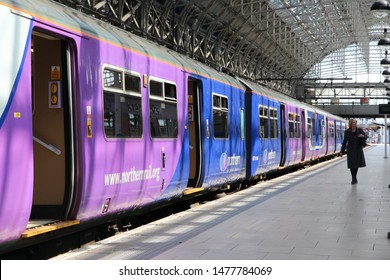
133,175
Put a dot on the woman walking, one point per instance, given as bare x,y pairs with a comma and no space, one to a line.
354,138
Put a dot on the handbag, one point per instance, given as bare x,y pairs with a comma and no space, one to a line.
363,140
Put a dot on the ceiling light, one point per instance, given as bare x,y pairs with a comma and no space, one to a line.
384,43
386,73
380,8
385,63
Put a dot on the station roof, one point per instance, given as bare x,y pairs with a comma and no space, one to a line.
277,42
289,38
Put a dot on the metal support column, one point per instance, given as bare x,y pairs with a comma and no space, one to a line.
385,136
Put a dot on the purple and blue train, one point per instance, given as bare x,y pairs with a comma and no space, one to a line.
95,121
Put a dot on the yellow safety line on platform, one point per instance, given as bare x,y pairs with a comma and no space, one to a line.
47,228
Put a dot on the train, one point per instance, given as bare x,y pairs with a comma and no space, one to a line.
96,121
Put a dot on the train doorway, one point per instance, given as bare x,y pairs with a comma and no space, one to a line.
52,127
194,128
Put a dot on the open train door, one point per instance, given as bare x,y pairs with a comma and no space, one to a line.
195,139
52,127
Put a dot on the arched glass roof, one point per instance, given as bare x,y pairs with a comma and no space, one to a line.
352,64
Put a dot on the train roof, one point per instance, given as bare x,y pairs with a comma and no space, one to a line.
88,27
267,92
262,90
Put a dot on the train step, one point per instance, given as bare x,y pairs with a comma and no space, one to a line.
189,191
48,228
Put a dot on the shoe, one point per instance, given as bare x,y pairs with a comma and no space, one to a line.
354,182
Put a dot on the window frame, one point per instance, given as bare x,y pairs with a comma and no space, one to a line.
309,127
242,123
298,126
121,92
263,112
273,122
331,129
291,125
222,109
163,99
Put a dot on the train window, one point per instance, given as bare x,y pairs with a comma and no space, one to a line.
242,123
156,88
309,128
224,102
331,129
170,91
112,79
273,116
314,127
322,128
163,109
263,115
297,126
122,105
291,121
132,84
338,134
216,101
122,116
321,131
220,116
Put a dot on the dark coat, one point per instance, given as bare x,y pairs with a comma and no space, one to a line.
355,155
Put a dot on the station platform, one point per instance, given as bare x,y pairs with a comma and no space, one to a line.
311,214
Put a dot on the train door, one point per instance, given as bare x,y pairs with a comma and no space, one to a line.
329,138
303,135
194,128
52,126
323,134
283,135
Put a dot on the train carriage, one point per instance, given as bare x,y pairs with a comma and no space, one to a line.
223,117
216,135
275,132
264,149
